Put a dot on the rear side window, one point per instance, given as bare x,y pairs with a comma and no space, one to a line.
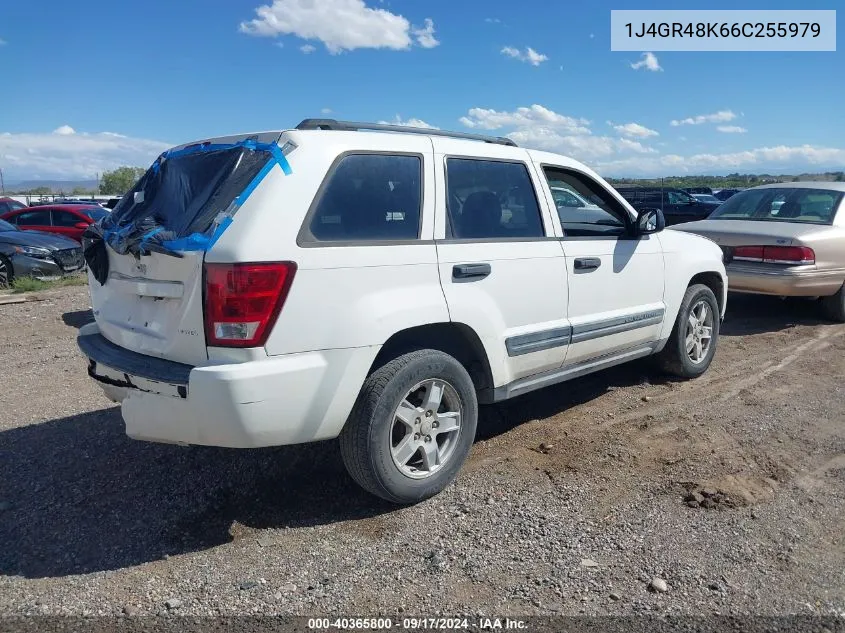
33,218
369,197
491,199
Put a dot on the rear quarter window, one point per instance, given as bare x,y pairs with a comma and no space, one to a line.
368,197
33,218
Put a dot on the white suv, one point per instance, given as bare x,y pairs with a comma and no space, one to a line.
377,286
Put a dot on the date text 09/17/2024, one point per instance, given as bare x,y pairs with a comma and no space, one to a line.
417,624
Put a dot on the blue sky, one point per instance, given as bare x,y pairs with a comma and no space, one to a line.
95,84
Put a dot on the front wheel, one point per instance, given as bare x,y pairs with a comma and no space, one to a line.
692,344
7,274
412,427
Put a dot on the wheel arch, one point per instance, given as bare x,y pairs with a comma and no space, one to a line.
715,282
456,339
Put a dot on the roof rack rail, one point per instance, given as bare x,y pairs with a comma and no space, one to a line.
353,126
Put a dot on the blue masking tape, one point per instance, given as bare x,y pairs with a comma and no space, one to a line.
199,241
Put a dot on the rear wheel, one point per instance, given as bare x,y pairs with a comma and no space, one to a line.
412,427
833,307
7,274
692,344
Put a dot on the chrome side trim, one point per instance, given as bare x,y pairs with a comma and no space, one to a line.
538,341
531,383
615,325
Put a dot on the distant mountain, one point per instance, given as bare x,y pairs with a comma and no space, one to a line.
57,186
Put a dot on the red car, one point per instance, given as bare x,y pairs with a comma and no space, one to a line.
9,204
69,220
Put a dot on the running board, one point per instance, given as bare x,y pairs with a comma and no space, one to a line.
538,381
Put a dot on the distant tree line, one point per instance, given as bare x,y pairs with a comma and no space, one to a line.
729,181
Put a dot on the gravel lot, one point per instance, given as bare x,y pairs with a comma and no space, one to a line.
573,500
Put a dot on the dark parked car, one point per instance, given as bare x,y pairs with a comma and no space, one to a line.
695,190
706,197
8,204
69,220
678,206
35,254
724,194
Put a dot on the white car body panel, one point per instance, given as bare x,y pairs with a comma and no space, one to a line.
526,290
347,301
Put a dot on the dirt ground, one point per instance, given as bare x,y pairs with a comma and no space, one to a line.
730,488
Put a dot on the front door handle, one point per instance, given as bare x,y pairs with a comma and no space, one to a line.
470,272
587,263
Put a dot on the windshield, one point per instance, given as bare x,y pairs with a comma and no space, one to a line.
805,206
95,214
703,197
5,226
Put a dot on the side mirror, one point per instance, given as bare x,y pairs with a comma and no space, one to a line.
80,225
650,221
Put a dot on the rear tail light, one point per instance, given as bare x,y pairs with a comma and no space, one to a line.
791,255
749,253
242,301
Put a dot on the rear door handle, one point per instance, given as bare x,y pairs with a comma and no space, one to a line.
587,263
470,272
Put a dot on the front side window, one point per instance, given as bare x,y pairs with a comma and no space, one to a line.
679,197
65,218
491,200
34,218
597,212
370,197
804,206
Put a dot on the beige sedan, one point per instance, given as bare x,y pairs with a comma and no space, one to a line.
783,239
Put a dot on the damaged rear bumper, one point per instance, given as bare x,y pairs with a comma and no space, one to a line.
280,400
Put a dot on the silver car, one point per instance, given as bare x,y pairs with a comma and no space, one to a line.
783,239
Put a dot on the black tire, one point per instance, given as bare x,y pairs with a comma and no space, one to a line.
833,307
674,359
7,273
366,439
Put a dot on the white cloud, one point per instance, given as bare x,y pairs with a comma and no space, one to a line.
341,25
778,159
279,43
648,61
722,116
529,55
534,116
625,144
493,20
425,35
67,154
731,129
634,129
326,111
307,49
541,128
412,122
